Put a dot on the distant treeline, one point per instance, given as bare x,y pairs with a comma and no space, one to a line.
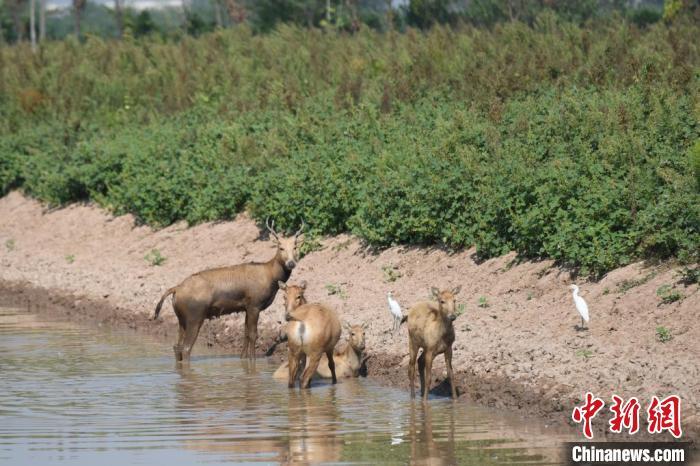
553,139
195,17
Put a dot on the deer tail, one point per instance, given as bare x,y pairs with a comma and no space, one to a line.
160,303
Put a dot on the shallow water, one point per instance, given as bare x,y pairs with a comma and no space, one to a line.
82,395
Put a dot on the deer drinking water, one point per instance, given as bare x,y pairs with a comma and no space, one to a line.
249,288
430,327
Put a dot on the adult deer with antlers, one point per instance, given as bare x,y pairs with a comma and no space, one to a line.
248,288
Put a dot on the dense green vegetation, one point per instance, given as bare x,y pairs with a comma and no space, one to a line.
577,143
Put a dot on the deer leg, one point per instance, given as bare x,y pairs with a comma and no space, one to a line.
294,359
191,333
450,375
310,370
428,372
331,365
244,350
177,347
251,330
413,353
302,364
421,372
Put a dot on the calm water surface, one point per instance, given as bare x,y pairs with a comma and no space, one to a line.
80,395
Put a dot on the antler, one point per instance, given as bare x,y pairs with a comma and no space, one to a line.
271,228
300,229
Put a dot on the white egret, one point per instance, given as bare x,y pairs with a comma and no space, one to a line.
395,310
581,305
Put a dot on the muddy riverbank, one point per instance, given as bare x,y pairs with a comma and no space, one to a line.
517,346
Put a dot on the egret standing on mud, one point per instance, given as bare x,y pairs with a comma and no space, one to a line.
395,310
581,305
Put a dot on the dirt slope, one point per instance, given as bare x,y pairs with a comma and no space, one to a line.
516,342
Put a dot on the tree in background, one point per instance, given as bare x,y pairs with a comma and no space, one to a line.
236,11
143,24
424,13
42,20
78,7
32,25
674,8
16,11
268,13
119,17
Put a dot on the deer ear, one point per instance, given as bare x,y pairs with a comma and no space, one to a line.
282,285
434,291
457,290
302,285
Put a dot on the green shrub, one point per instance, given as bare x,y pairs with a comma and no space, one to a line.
556,141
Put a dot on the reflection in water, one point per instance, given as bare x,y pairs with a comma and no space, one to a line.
424,450
77,395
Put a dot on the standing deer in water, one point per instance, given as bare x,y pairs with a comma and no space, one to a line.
248,288
313,330
430,327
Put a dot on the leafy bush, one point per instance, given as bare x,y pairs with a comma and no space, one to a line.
558,141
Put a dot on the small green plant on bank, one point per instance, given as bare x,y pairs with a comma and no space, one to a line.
689,275
668,295
483,302
391,273
663,334
461,308
606,291
10,245
155,258
70,258
626,285
336,289
584,353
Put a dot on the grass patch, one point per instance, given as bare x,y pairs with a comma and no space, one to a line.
155,258
668,294
336,289
663,334
391,273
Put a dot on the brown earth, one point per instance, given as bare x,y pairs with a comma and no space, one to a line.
517,343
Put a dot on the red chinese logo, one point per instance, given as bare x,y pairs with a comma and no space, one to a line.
625,415
587,412
665,415
662,415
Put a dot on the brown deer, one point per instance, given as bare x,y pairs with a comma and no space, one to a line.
248,288
430,327
313,330
347,358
